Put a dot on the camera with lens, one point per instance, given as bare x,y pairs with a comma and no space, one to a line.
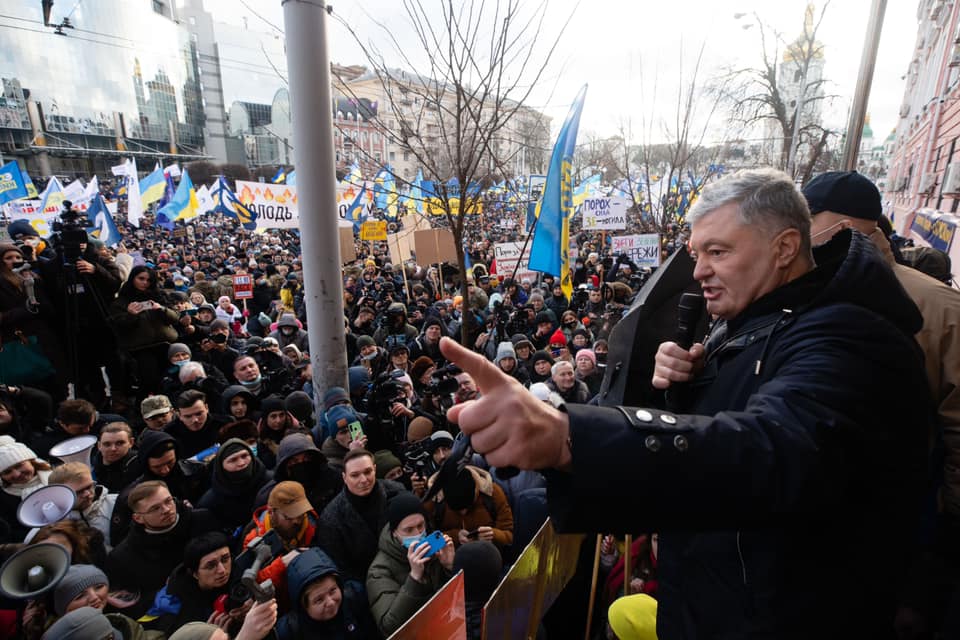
581,296
69,233
439,392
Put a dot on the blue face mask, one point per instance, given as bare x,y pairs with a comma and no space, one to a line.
180,363
411,541
252,383
253,450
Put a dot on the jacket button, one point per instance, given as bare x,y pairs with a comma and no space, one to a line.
652,443
681,444
644,416
666,418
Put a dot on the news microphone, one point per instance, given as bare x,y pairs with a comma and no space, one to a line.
689,311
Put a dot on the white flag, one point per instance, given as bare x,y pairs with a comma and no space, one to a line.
120,169
74,191
134,203
205,199
173,170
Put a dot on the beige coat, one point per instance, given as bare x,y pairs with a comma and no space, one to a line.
939,339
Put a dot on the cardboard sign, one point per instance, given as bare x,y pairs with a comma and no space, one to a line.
643,248
348,251
444,617
507,255
242,287
604,213
434,245
373,230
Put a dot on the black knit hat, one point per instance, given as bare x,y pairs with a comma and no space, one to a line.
845,192
541,355
403,505
460,492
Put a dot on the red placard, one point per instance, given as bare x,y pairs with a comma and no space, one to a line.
242,287
444,617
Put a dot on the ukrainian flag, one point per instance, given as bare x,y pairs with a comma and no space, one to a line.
279,177
152,187
355,211
549,252
585,189
183,206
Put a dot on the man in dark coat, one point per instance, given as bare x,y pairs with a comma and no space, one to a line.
299,459
350,525
154,547
803,434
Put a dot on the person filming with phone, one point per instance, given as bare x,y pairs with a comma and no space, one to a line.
410,565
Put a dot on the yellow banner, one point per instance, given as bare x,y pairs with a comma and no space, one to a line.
373,230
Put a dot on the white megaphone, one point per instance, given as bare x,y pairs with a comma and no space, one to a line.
33,571
75,449
46,506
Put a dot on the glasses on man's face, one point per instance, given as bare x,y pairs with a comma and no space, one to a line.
157,509
212,565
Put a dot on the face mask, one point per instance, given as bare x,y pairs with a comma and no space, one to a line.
180,363
253,450
219,338
302,473
287,331
601,357
410,541
252,383
823,231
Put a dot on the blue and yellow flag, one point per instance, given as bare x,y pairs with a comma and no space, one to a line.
355,210
279,177
229,204
586,189
152,187
183,206
12,184
550,249
104,228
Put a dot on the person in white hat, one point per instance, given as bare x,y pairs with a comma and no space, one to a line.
21,473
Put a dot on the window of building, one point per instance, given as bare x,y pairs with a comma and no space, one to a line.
338,156
378,157
393,156
406,156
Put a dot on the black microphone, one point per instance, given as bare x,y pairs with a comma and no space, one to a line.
689,311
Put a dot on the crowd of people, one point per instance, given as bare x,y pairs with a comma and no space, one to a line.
209,446
220,500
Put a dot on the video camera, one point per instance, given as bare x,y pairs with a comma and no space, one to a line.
69,233
443,384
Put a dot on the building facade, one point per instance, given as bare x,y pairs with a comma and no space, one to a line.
120,79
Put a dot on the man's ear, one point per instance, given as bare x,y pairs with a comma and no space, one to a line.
137,518
787,246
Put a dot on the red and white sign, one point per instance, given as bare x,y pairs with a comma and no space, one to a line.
242,287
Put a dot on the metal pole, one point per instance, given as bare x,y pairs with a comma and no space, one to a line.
867,62
308,66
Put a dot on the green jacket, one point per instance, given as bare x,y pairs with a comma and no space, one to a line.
394,596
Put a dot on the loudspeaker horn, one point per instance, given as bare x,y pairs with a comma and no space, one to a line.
46,506
33,571
75,449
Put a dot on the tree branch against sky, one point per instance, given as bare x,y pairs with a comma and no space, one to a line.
450,102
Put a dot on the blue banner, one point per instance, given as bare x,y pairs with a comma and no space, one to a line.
12,184
937,229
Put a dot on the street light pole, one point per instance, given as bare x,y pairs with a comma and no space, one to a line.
308,65
858,109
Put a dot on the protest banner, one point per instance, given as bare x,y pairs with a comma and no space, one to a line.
30,210
242,286
536,579
604,213
434,245
507,255
275,204
443,617
373,230
642,248
936,229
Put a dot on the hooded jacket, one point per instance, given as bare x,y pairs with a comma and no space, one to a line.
353,620
231,497
489,494
804,437
394,596
320,482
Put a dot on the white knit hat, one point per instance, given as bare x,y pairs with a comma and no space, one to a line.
13,452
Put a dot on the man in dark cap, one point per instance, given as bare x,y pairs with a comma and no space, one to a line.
428,343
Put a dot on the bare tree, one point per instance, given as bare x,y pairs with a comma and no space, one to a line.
784,95
452,112
683,153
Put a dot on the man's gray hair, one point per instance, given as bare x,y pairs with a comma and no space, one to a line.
556,366
191,370
767,198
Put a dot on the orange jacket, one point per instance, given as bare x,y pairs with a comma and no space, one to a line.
276,571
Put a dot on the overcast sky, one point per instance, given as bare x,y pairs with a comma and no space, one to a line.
625,48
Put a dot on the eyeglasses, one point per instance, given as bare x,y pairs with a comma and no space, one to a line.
157,509
225,560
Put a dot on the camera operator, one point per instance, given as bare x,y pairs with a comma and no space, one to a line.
82,280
